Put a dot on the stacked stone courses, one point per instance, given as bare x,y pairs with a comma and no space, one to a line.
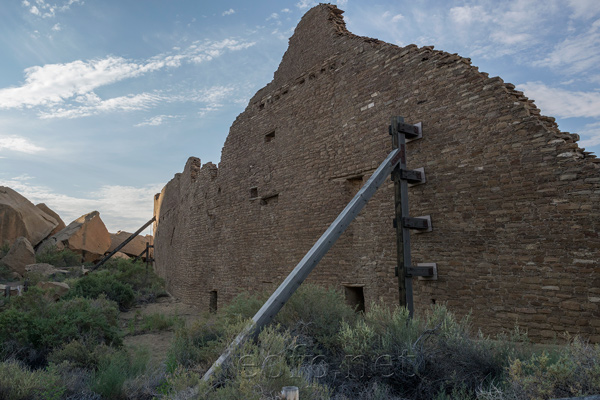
515,203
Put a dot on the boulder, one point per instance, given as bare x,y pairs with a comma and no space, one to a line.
87,235
19,217
43,269
61,225
118,254
133,248
20,255
56,289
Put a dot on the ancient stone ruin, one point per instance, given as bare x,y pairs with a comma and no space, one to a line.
515,203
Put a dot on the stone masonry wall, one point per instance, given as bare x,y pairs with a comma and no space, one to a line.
515,203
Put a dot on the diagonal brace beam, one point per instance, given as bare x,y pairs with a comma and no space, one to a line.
311,259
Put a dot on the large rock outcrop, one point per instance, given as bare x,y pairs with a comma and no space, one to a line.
87,235
133,248
61,225
19,217
514,202
19,256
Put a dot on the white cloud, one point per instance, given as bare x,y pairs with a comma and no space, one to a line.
590,135
52,85
304,4
19,144
156,120
44,9
121,207
561,102
584,9
94,105
57,28
468,15
286,10
273,16
575,55
228,12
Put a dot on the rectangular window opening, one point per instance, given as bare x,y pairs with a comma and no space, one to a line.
212,306
355,297
253,192
269,136
354,183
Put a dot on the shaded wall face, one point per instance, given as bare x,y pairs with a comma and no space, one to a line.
515,211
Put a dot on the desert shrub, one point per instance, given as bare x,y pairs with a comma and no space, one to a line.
316,312
258,370
158,322
18,382
103,283
32,327
574,371
115,369
59,258
147,286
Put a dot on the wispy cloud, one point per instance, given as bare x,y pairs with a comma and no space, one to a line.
19,144
561,102
228,12
67,90
584,9
45,9
590,135
576,54
156,120
121,207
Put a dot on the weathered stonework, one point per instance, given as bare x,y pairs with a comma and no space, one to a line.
515,203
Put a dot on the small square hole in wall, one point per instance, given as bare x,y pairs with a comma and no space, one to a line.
212,306
253,192
355,297
269,136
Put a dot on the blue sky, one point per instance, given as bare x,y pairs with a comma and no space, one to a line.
103,101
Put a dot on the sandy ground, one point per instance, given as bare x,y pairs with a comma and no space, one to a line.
157,342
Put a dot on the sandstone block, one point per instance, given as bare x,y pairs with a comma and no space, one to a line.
43,269
19,217
19,256
87,235
133,248
61,225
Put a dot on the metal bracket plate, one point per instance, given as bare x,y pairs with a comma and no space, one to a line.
413,177
430,266
420,224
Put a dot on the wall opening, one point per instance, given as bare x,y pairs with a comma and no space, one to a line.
354,184
269,136
212,305
355,297
253,192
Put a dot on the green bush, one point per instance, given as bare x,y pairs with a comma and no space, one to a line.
59,258
147,286
574,371
115,369
103,283
32,327
18,382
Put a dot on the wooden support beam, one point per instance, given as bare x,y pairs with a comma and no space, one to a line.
311,259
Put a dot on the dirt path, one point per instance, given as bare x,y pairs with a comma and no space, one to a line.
157,342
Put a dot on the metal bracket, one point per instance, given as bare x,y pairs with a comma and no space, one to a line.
431,267
421,224
423,270
413,177
411,131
